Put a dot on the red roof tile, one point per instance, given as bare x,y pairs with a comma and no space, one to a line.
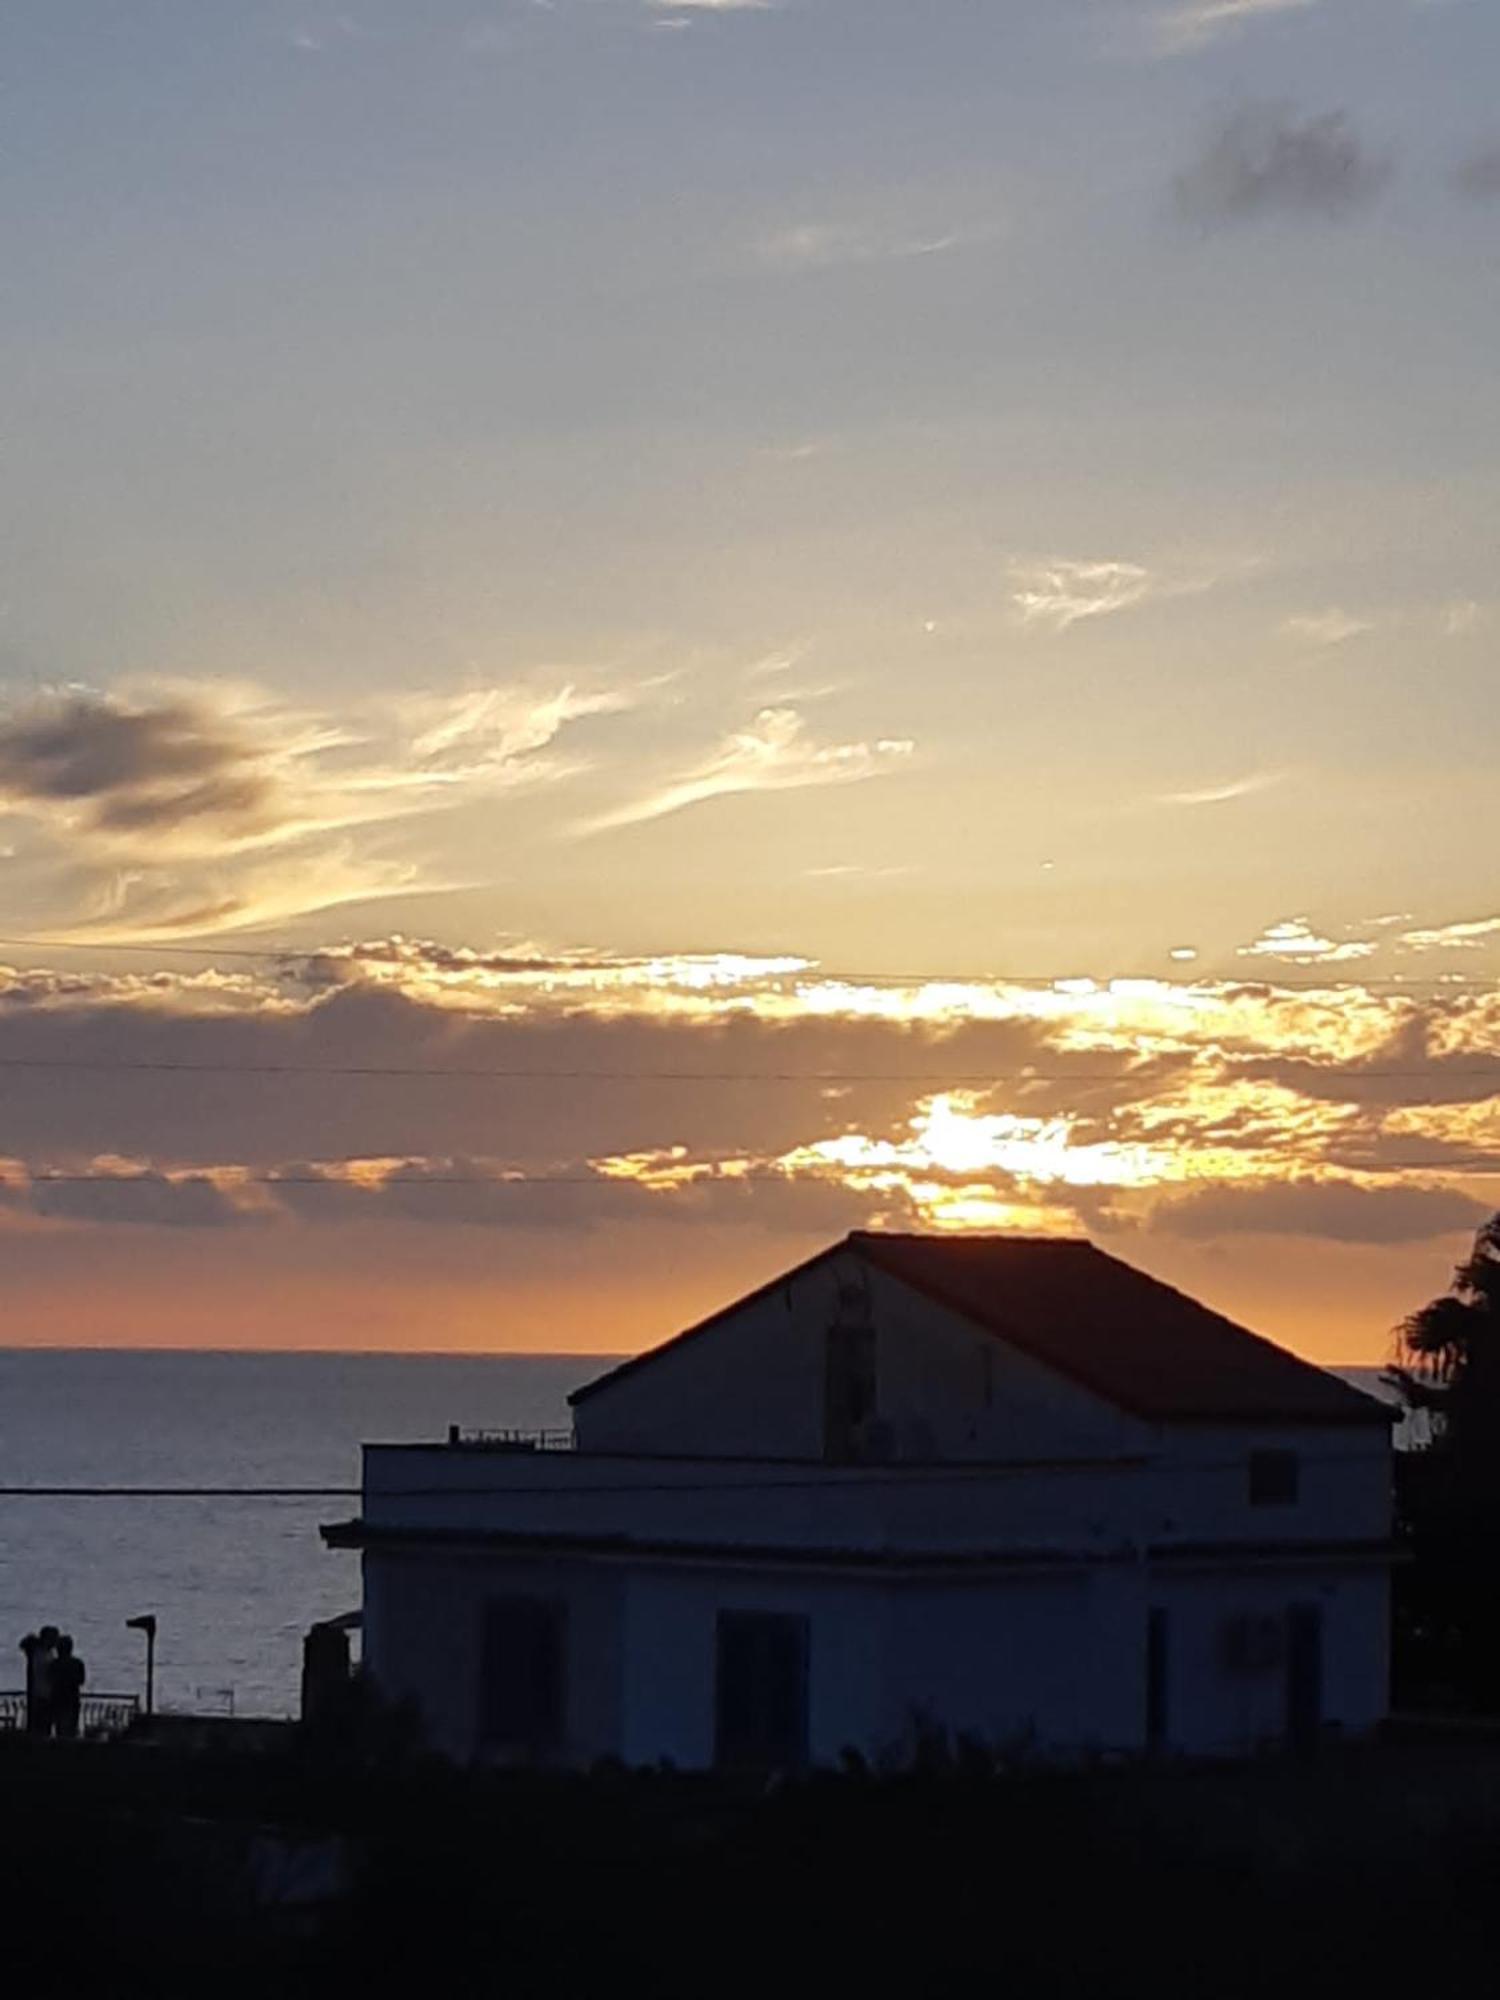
1136,1342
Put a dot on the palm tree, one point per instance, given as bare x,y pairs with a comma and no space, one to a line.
1448,1359
1447,1367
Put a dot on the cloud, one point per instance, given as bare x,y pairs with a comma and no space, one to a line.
1325,628
130,904
140,1197
185,807
681,13
1061,592
1478,176
487,733
213,771
1179,29
1462,617
1294,941
1340,1211
812,246
119,771
1266,160
1234,788
1453,937
773,754
404,1084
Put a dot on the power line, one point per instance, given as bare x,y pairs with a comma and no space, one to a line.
963,1473
156,1066
655,1180
809,972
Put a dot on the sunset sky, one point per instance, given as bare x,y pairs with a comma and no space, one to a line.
899,596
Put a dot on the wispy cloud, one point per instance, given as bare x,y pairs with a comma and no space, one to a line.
823,245
1462,617
842,871
1060,593
312,37
1179,29
1266,159
1471,936
1233,788
775,753
312,877
1326,628
192,807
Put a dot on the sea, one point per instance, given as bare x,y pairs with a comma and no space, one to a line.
233,1582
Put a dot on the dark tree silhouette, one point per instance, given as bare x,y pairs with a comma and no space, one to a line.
1447,1368
1448,1365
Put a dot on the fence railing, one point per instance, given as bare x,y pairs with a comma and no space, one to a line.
98,1714
511,1440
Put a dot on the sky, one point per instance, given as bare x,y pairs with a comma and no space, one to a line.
852,612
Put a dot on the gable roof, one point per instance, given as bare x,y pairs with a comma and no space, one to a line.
1131,1340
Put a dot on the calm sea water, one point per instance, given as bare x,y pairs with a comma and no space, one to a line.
234,1582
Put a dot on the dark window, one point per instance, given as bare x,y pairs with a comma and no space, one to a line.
1273,1478
849,1390
522,1673
1304,1675
1157,1678
761,1691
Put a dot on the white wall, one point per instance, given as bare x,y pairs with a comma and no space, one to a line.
1090,1506
1215,1708
671,1651
1202,1475
1018,1660
423,1639
753,1384
1056,1658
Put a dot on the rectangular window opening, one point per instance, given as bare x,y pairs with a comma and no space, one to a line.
761,1691
848,1391
1157,1681
1274,1478
523,1670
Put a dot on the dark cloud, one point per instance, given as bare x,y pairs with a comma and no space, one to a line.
1266,160
1478,176
1341,1211
128,770
192,1202
581,1092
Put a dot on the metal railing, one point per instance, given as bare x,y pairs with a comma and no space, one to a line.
98,1714
510,1440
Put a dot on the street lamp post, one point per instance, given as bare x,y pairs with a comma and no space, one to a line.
147,1623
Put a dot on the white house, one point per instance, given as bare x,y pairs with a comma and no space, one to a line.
999,1486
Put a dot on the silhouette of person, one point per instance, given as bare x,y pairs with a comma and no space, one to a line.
40,1649
29,1646
68,1677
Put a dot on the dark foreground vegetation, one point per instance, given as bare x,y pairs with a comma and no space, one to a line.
146,1868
